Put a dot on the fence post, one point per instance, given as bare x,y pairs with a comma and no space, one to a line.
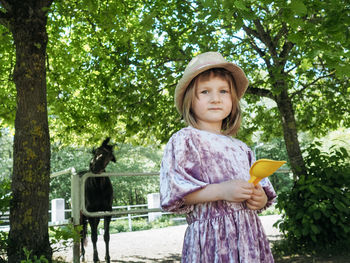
153,201
129,219
75,195
57,210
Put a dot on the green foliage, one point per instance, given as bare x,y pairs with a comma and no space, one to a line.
6,152
35,259
3,245
8,89
63,158
272,210
133,190
62,237
317,210
112,67
5,197
122,225
275,149
127,190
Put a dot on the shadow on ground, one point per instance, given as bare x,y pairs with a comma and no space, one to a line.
139,259
306,259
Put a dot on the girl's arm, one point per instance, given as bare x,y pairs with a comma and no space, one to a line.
232,191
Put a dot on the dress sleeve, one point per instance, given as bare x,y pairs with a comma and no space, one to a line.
180,173
269,191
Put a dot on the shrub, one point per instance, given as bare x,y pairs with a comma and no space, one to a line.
317,210
62,237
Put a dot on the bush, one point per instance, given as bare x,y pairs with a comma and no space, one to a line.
317,210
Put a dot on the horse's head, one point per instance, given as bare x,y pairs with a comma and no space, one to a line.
102,156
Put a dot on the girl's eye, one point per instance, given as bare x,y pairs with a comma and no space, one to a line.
224,91
204,92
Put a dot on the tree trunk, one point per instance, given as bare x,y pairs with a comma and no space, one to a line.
31,160
290,132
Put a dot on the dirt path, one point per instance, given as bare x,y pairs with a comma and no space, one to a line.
155,245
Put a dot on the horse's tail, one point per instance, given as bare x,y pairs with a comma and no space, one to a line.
83,233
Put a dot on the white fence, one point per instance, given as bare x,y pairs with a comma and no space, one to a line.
64,216
78,201
152,209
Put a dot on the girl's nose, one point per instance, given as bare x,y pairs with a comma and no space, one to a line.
215,97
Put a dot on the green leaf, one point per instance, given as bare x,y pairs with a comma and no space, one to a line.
240,5
313,189
298,7
339,205
333,220
207,3
315,229
306,64
327,189
344,152
305,230
317,214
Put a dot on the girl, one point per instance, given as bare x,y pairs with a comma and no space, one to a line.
204,170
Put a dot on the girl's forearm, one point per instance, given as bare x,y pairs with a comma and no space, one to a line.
209,193
232,191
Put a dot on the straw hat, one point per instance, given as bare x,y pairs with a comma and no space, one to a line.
202,63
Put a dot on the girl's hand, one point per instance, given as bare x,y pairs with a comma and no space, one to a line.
236,190
258,199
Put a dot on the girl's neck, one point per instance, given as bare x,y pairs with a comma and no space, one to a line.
210,128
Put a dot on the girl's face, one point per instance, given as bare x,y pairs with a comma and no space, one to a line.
212,103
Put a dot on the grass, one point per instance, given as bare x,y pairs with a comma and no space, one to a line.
122,225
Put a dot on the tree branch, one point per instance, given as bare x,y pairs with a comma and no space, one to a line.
260,92
305,86
287,47
265,37
280,34
251,34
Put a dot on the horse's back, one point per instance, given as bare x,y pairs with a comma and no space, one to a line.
98,194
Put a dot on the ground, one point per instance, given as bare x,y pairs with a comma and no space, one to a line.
165,244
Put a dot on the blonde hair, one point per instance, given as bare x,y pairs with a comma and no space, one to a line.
231,124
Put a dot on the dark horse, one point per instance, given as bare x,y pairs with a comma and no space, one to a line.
98,197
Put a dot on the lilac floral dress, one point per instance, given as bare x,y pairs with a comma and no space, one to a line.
217,231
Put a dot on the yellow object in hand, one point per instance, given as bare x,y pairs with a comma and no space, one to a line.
263,168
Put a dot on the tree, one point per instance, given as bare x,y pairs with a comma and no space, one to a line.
295,55
26,20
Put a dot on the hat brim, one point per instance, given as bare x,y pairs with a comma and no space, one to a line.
238,75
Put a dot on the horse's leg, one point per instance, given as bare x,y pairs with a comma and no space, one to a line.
107,221
93,224
83,222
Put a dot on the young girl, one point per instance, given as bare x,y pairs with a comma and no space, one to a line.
204,170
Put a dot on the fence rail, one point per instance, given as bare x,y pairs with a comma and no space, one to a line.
78,202
4,218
